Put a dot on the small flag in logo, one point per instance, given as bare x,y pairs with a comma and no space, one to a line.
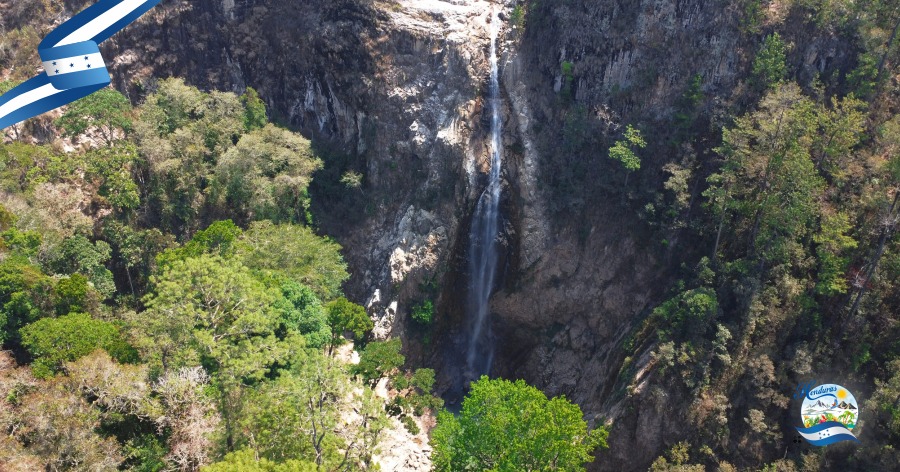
826,433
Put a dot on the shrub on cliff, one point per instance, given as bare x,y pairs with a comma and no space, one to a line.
770,65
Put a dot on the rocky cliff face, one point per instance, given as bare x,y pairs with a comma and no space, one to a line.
587,279
392,90
396,90
583,286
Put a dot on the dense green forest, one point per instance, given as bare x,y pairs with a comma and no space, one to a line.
147,342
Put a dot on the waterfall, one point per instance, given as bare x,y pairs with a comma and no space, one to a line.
483,236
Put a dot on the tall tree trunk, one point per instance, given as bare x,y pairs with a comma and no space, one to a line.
886,235
715,252
887,50
690,207
130,283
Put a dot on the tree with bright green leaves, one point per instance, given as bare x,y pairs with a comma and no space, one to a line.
878,27
111,170
841,127
511,426
770,64
687,313
280,252
173,105
53,341
213,312
294,252
266,175
625,151
219,238
210,311
25,166
423,313
345,316
254,110
24,244
299,416
180,133
379,360
137,251
300,310
864,78
74,294
246,460
768,185
78,255
26,295
107,110
832,243
415,392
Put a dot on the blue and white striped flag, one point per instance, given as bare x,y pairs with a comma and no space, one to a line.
826,433
73,66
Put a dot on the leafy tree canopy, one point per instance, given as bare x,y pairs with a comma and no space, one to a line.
246,460
77,255
770,65
266,175
300,310
255,114
107,110
344,316
212,311
26,294
624,150
299,416
218,238
297,253
378,360
53,341
511,426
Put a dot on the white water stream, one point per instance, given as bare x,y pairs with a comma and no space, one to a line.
483,236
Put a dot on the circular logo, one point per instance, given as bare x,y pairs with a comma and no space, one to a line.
829,402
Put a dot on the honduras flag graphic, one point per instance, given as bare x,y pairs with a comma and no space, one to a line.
73,66
830,413
826,433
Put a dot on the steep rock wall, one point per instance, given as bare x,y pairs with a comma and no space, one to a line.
591,270
393,90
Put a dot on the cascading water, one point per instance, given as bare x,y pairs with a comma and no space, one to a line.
483,236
